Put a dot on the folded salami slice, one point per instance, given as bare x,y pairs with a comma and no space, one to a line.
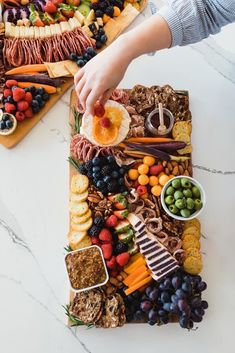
159,260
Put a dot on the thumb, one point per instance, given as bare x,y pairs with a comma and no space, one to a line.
105,96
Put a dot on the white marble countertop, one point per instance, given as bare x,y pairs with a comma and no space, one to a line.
34,217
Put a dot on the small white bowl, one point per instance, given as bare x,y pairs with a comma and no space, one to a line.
96,285
194,182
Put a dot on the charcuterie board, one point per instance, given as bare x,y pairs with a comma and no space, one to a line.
138,203
25,44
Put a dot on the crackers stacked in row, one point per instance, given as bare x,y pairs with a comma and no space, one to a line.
80,214
191,244
182,131
96,307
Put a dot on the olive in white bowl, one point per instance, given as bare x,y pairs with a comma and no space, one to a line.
183,198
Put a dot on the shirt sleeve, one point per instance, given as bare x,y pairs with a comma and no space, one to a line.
190,21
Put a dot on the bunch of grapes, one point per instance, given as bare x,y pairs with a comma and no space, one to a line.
178,296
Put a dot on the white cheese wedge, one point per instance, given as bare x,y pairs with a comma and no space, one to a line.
65,27
31,32
47,31
79,17
42,32
9,29
87,125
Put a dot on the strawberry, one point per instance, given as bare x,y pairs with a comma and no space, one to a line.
95,240
156,169
122,259
120,205
59,17
9,108
18,94
119,200
107,250
11,83
104,122
28,97
141,190
22,106
50,7
122,214
57,2
38,23
105,235
28,113
48,19
111,263
7,92
20,116
73,2
111,221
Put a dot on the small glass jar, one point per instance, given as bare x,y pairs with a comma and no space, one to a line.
153,122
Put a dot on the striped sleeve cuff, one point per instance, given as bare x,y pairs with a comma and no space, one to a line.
174,23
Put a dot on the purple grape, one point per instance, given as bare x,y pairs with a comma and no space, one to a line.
152,315
180,294
174,298
186,287
153,294
196,302
196,318
161,286
164,320
162,312
166,306
144,297
145,306
183,305
148,290
138,315
204,304
18,14
151,323
201,286
174,308
176,282
165,296
199,311
167,283
184,322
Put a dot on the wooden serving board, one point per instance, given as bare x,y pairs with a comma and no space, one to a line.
24,127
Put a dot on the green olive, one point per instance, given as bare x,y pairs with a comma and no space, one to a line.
176,183
178,195
189,203
180,203
187,193
185,213
186,183
169,200
196,192
173,209
197,204
170,190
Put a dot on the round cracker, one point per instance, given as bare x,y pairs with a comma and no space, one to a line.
83,227
193,231
79,183
181,127
193,223
75,238
194,252
193,265
86,241
81,219
78,208
183,137
191,243
79,197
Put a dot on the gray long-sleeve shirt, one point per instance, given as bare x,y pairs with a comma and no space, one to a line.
193,20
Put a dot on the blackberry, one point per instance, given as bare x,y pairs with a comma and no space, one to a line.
99,221
95,161
103,5
89,165
89,174
120,248
94,231
99,13
82,169
112,186
109,11
121,181
115,174
111,159
106,170
100,184
107,178
96,169
119,4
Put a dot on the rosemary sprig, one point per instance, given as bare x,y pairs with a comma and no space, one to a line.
77,121
73,319
68,248
73,162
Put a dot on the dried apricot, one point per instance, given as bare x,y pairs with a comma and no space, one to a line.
133,174
149,160
143,179
156,190
143,169
153,180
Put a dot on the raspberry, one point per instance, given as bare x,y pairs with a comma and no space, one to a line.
11,83
111,221
20,116
18,94
9,108
156,169
105,123
28,113
28,97
7,92
105,235
111,263
123,259
95,241
107,250
141,190
22,106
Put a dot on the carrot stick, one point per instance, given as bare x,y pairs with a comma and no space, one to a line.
140,277
128,280
48,89
26,69
122,145
149,139
131,268
138,285
135,257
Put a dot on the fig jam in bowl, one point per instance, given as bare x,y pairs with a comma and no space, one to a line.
153,122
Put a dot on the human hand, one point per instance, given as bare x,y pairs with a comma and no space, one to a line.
101,75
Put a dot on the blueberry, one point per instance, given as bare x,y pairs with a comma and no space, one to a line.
79,58
103,38
38,98
2,125
13,87
115,174
46,97
73,56
36,109
96,161
111,159
40,91
101,31
6,117
96,169
96,37
87,57
92,27
32,89
41,104
98,45
99,13
121,181
100,184
91,51
9,124
27,89
34,103
80,63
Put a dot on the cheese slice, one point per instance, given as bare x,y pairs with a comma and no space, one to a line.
79,17
47,31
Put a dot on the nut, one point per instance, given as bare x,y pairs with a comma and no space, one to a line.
93,198
190,170
164,163
183,165
181,170
167,171
174,163
119,278
169,166
186,164
186,173
175,170
110,290
114,281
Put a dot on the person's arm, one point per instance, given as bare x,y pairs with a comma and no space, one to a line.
181,23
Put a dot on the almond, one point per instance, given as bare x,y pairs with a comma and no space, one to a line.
186,173
169,166
175,170
181,170
167,171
